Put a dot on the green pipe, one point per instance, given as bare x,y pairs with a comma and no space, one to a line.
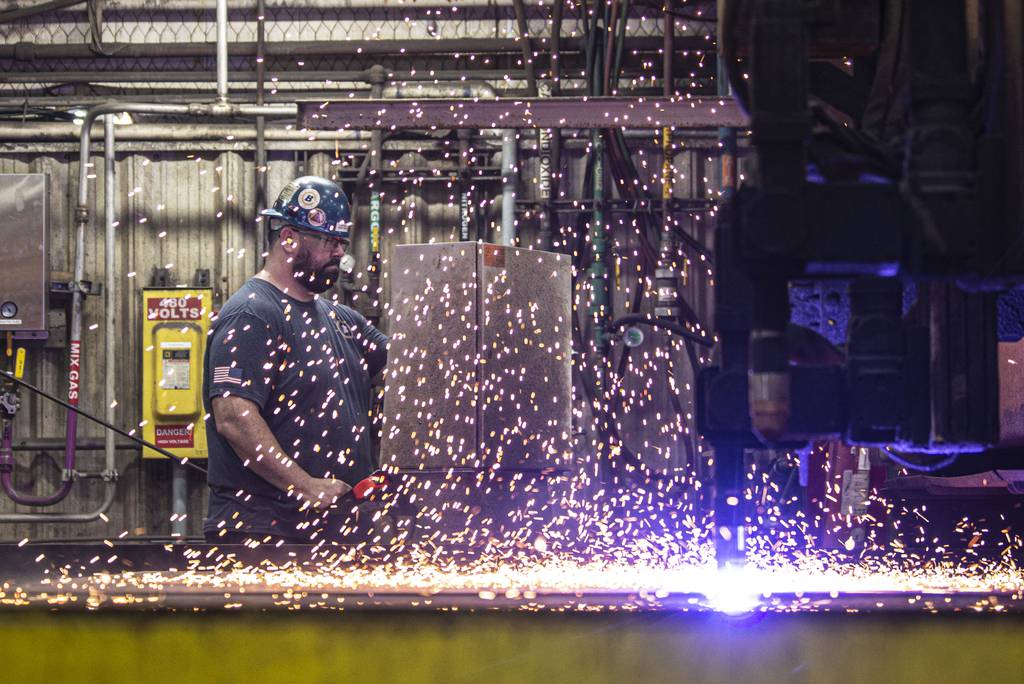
599,305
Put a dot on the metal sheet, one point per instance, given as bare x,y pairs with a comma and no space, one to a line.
526,355
547,112
480,358
430,414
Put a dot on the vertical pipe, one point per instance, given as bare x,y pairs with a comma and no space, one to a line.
465,186
509,171
179,500
599,309
378,75
666,133
222,51
544,179
261,144
110,285
556,133
665,276
599,305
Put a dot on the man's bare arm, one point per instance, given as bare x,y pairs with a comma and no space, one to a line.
239,421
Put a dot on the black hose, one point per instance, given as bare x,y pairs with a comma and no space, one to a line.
100,421
619,47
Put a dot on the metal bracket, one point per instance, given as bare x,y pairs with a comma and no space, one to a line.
86,287
10,402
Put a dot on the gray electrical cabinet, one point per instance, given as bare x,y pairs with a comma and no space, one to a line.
24,242
480,362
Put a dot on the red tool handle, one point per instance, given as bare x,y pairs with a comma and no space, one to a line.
368,486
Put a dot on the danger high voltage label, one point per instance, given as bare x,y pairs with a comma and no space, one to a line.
173,437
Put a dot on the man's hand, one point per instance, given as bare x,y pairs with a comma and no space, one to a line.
322,493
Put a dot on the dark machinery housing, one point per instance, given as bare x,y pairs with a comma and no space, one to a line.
888,155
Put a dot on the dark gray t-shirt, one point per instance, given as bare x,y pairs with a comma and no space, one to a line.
307,366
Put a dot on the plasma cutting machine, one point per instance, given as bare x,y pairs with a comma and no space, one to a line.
887,140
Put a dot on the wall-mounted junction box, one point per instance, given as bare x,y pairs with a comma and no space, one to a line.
24,242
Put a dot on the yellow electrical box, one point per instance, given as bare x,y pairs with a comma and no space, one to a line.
174,330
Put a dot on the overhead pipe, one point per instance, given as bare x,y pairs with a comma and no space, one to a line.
57,444
35,10
46,131
63,132
290,76
299,48
200,5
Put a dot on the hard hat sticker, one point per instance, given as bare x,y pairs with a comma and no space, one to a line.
309,198
316,217
287,192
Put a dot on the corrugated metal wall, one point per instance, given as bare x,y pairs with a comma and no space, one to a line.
197,211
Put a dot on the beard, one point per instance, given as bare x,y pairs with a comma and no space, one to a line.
316,280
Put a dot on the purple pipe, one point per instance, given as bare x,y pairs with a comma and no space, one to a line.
7,467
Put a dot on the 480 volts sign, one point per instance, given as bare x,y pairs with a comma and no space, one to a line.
174,309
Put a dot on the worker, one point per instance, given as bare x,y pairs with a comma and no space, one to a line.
287,382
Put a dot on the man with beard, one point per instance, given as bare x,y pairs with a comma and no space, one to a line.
287,383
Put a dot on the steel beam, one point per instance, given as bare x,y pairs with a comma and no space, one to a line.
549,112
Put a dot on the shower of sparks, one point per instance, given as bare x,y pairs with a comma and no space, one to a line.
634,577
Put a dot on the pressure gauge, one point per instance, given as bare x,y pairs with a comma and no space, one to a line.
633,337
8,310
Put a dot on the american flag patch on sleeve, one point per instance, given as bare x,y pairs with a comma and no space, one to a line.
227,374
